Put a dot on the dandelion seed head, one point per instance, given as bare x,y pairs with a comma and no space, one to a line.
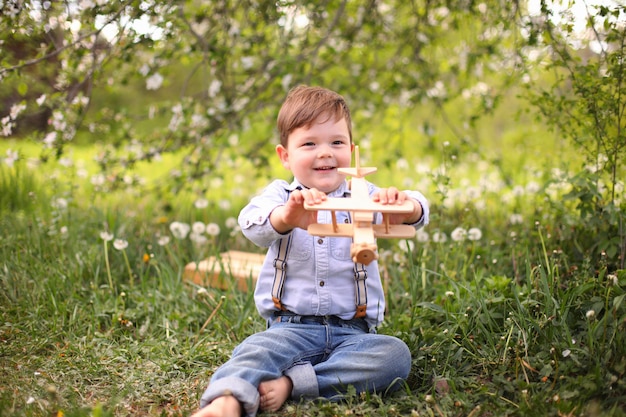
163,240
106,236
212,229
198,238
421,236
201,203
198,228
231,223
474,234
225,204
406,245
180,230
590,314
439,237
459,234
120,244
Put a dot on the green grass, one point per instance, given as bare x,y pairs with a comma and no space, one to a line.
497,326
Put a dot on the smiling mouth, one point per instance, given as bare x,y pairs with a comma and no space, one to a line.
324,168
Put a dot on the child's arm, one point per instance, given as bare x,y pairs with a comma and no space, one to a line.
392,195
292,214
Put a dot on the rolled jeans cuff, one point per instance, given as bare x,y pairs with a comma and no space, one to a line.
242,390
304,381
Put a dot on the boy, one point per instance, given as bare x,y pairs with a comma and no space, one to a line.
315,344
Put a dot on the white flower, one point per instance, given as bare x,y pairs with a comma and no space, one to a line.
120,244
154,81
459,234
214,88
144,70
201,203
590,314
163,240
198,228
7,126
566,353
212,229
59,203
16,109
516,218
406,245
197,238
98,179
41,99
449,294
12,156
180,230
50,139
422,236
474,233
439,237
106,236
231,223
224,204
398,257
247,62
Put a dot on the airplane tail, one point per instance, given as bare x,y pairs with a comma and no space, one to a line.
357,171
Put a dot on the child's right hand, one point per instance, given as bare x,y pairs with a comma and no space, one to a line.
293,213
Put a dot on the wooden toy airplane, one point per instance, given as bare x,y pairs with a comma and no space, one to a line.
362,230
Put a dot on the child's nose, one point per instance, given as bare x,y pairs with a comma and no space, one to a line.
324,151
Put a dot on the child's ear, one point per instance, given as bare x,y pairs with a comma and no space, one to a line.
281,151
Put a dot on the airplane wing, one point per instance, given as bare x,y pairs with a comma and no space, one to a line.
400,231
361,205
326,229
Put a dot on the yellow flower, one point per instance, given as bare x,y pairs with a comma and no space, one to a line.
146,258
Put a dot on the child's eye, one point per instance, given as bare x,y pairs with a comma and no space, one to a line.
308,144
338,142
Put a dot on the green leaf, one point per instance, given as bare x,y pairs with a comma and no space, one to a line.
22,89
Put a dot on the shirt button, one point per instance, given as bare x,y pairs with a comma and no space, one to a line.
321,283
320,241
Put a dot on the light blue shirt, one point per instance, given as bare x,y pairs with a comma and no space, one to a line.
320,271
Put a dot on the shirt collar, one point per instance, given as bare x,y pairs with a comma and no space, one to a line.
342,191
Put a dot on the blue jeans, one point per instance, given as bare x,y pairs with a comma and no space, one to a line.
321,355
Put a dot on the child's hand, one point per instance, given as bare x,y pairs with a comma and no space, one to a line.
293,213
389,195
392,195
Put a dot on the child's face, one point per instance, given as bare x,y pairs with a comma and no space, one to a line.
314,154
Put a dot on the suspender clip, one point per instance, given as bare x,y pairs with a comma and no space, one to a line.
280,264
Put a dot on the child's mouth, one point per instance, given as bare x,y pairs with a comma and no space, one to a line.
324,168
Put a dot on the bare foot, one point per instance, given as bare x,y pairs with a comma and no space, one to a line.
225,406
274,393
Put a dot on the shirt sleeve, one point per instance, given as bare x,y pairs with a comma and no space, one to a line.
254,217
419,197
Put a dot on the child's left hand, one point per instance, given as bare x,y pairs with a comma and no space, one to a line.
392,195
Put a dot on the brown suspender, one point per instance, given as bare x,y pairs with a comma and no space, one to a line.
280,274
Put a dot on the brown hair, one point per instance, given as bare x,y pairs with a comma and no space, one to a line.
305,105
